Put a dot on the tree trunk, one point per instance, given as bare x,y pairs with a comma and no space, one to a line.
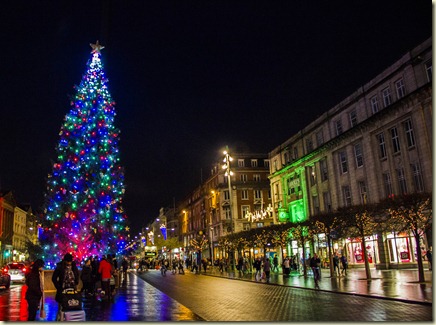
365,258
304,260
421,277
329,246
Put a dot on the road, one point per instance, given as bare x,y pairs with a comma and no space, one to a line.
221,299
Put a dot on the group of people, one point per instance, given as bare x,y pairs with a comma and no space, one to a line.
95,274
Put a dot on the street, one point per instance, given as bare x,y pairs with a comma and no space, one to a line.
220,299
149,296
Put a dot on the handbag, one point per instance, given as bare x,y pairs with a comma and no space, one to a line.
71,300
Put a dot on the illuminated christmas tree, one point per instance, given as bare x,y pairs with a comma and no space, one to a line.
83,208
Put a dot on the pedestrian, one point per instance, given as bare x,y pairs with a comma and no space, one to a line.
336,264
257,264
125,266
65,276
221,265
344,262
94,275
34,288
105,271
181,271
267,268
240,265
429,256
315,264
286,267
275,263
86,277
204,262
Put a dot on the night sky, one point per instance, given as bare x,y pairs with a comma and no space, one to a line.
188,78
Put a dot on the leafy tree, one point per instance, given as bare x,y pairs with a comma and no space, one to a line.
413,212
361,222
301,234
326,223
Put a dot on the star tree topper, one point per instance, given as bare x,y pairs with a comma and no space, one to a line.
96,48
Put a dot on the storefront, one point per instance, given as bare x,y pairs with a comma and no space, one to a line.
354,250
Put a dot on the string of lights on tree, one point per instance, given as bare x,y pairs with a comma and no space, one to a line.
83,207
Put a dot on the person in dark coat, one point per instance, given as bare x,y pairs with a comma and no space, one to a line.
429,256
66,275
86,277
34,289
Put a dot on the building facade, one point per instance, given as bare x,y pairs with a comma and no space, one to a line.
222,205
375,143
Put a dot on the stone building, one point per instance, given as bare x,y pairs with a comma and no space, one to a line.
375,143
217,208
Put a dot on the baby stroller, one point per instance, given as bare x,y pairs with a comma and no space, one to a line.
70,307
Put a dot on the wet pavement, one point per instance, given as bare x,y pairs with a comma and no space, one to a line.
401,285
136,301
141,301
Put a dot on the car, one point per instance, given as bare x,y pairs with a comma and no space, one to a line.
5,278
17,271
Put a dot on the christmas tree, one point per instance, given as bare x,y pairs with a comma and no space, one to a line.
83,207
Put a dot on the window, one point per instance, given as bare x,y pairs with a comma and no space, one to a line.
266,163
323,168
343,162
395,140
257,194
256,177
386,96
401,90
315,201
312,175
309,145
362,192
275,165
244,195
358,155
241,163
408,129
374,104
338,125
245,209
417,177
227,212
243,177
387,184
402,181
428,70
253,162
286,157
353,118
226,195
319,138
327,201
295,153
346,194
246,226
381,145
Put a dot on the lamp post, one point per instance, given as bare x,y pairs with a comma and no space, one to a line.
229,173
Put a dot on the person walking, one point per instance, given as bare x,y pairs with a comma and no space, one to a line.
125,266
105,271
429,256
267,268
344,262
275,263
257,264
86,277
315,264
336,264
34,288
286,267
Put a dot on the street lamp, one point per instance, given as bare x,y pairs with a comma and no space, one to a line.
229,173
